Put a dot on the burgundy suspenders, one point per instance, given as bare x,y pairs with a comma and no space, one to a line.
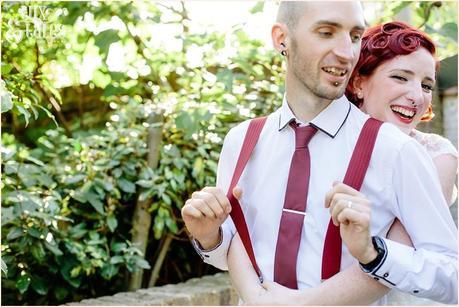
331,258
355,174
250,140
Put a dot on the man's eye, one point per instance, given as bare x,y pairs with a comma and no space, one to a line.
325,33
356,37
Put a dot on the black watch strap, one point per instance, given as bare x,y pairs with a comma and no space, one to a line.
380,247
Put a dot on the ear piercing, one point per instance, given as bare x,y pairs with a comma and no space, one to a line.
359,95
283,52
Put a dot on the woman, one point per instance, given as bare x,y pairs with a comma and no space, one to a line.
392,82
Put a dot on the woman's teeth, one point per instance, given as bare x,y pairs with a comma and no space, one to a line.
404,112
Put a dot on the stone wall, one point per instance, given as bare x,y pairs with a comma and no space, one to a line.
450,114
209,290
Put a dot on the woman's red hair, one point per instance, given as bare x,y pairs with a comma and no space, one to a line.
385,42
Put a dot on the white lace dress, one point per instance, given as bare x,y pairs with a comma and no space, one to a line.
435,145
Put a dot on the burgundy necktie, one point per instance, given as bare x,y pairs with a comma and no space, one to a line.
291,224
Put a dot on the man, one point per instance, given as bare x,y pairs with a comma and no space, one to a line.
321,43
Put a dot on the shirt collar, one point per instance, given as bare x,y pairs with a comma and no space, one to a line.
330,120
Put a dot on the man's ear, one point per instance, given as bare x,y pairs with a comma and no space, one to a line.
279,35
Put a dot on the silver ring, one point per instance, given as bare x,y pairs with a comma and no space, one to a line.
349,204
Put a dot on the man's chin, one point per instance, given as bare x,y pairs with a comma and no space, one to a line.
330,93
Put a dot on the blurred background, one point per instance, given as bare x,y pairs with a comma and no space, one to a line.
113,113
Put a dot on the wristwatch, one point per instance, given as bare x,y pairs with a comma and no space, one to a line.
380,248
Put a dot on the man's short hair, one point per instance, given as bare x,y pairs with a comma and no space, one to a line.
289,12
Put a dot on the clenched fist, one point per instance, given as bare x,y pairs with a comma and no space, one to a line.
204,212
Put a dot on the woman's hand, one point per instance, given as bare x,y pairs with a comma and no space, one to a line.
351,210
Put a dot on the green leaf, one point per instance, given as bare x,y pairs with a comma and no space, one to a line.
77,146
144,183
8,215
6,68
112,222
118,246
126,186
108,271
111,90
78,231
146,194
25,113
166,199
14,233
4,267
142,263
104,39
258,7
450,30
49,114
74,179
170,223
65,272
400,7
158,227
39,285
54,249
22,284
187,123
34,232
100,79
38,252
97,204
198,166
116,259
60,293
36,161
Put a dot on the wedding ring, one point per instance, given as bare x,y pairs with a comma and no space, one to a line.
349,204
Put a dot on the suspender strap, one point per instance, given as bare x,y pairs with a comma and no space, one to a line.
331,261
250,140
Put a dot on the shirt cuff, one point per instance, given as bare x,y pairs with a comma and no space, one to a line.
217,255
393,269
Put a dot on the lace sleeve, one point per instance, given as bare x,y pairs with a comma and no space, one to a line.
435,144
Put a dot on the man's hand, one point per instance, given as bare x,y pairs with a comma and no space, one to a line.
351,210
204,212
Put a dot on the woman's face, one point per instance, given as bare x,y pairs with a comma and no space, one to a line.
400,90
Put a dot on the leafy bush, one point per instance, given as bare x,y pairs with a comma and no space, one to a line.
68,193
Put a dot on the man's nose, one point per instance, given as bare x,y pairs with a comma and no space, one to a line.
345,50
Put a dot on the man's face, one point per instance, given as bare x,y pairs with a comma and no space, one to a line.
325,47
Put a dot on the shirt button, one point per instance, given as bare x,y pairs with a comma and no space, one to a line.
386,274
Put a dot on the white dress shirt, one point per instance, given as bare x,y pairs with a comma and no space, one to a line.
401,182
